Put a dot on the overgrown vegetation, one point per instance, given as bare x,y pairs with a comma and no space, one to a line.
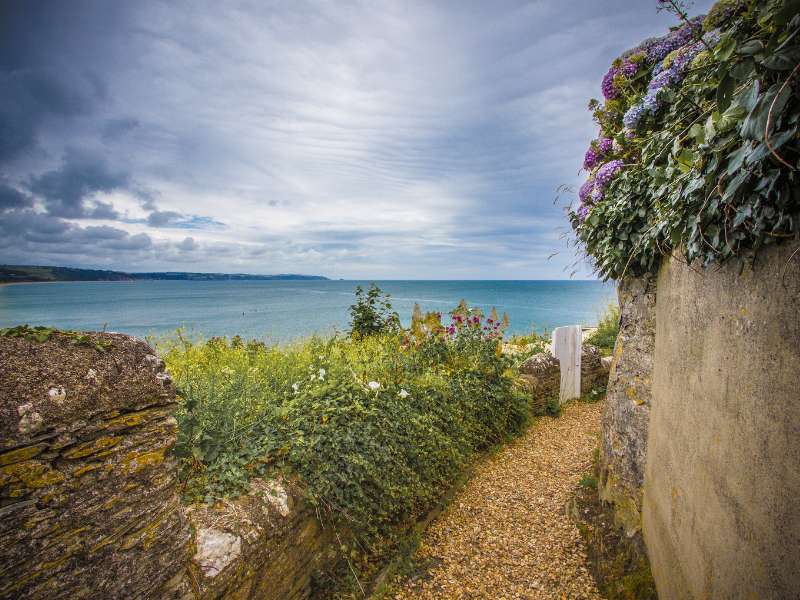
43,334
698,149
372,313
376,426
605,336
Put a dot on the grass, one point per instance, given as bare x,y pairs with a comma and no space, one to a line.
607,330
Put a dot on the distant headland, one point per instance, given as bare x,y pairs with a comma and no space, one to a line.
34,274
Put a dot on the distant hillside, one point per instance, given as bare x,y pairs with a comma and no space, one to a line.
23,274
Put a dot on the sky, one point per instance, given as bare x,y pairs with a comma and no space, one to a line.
362,140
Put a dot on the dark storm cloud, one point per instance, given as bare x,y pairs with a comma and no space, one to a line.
11,198
113,129
67,190
28,99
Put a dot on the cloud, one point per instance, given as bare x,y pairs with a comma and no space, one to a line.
187,245
30,97
113,129
69,190
11,198
354,139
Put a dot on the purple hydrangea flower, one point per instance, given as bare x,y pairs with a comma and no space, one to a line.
629,68
659,49
609,92
604,176
586,190
596,151
591,158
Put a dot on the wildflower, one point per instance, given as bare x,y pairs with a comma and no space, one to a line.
403,394
322,374
296,387
374,386
451,330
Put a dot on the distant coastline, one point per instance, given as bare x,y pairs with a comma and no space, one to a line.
48,274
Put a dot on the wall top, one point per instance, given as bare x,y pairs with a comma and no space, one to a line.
68,378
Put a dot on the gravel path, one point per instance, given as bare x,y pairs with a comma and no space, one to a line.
506,535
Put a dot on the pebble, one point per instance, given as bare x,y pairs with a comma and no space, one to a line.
507,535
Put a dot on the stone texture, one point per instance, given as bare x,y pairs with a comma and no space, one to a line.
594,372
88,502
265,545
215,550
541,376
627,407
722,478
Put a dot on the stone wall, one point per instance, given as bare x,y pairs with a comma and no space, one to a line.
89,504
88,501
722,478
541,376
265,545
627,406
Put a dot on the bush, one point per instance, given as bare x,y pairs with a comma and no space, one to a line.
697,154
372,313
376,427
607,330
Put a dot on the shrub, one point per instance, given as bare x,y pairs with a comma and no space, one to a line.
698,148
372,313
375,426
607,330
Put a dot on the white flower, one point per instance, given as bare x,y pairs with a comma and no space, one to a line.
374,385
296,387
403,394
227,371
322,374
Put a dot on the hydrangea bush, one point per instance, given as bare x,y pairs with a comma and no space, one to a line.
698,146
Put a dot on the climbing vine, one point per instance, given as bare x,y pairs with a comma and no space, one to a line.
698,150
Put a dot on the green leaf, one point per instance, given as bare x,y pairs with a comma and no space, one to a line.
751,47
724,91
725,47
785,60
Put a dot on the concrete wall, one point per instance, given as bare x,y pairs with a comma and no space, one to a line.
722,480
627,407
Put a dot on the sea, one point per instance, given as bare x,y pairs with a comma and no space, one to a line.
281,311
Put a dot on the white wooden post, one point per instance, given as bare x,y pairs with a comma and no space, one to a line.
567,343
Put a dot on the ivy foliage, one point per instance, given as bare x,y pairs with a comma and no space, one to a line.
376,427
713,174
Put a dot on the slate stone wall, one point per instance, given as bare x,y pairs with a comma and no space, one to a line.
88,490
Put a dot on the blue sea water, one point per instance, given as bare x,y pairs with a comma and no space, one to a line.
284,310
